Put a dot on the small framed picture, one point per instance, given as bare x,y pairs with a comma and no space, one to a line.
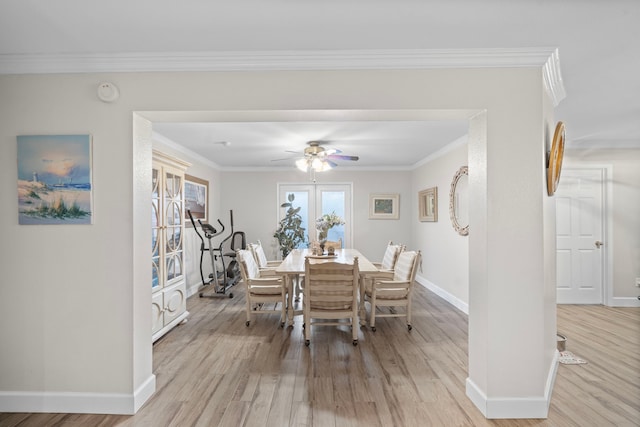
196,196
428,205
384,206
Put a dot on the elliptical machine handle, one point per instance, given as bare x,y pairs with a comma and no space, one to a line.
194,226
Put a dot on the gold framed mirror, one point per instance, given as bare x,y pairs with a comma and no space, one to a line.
428,205
555,159
459,201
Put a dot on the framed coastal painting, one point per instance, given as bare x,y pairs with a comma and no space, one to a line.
54,179
384,206
196,195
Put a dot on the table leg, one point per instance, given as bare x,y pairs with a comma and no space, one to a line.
290,291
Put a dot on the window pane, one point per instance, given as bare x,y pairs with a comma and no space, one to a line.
333,201
301,201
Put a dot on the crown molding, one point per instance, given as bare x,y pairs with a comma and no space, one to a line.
553,78
463,140
155,136
272,60
296,60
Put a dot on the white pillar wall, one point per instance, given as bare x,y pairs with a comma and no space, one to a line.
512,318
100,309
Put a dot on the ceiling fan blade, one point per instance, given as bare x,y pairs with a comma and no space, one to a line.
286,158
343,157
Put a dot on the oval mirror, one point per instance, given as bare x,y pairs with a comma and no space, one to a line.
459,201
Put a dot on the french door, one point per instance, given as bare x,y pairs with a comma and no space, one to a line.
316,200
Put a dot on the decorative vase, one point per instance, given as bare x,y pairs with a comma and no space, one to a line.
322,243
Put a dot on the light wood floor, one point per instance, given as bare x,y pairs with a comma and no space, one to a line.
214,371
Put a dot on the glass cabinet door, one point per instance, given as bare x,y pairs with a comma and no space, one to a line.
166,226
173,205
155,230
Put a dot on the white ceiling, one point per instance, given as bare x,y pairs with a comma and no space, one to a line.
378,144
598,44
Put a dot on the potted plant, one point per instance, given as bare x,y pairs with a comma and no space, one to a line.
290,233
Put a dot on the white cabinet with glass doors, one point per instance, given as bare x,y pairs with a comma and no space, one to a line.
168,297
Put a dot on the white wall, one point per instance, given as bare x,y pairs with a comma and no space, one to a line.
76,323
68,319
625,183
445,253
253,198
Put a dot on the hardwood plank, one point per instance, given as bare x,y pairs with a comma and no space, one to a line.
235,414
215,371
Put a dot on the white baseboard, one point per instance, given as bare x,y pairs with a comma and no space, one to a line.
192,290
624,302
451,299
144,393
510,407
78,403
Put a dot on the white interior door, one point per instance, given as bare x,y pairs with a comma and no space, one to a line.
318,199
579,237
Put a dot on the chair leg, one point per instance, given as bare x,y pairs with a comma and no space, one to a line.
363,308
354,327
372,315
283,312
248,309
307,325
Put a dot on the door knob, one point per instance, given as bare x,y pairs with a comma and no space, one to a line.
599,244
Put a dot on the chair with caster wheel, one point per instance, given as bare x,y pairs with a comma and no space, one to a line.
262,292
394,292
330,294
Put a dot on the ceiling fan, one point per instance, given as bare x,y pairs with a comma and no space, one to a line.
319,159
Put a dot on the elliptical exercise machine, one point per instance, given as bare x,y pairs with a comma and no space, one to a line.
230,274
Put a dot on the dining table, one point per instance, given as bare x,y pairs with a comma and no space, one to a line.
293,266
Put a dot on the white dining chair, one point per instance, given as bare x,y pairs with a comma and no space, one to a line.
330,295
260,289
394,292
266,267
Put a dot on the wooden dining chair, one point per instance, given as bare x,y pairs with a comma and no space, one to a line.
266,267
390,257
385,271
393,293
260,289
330,295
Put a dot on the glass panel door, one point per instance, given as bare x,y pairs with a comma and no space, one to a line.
333,199
303,199
316,200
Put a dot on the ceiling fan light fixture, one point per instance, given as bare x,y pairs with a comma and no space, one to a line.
302,164
326,166
317,164
319,159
